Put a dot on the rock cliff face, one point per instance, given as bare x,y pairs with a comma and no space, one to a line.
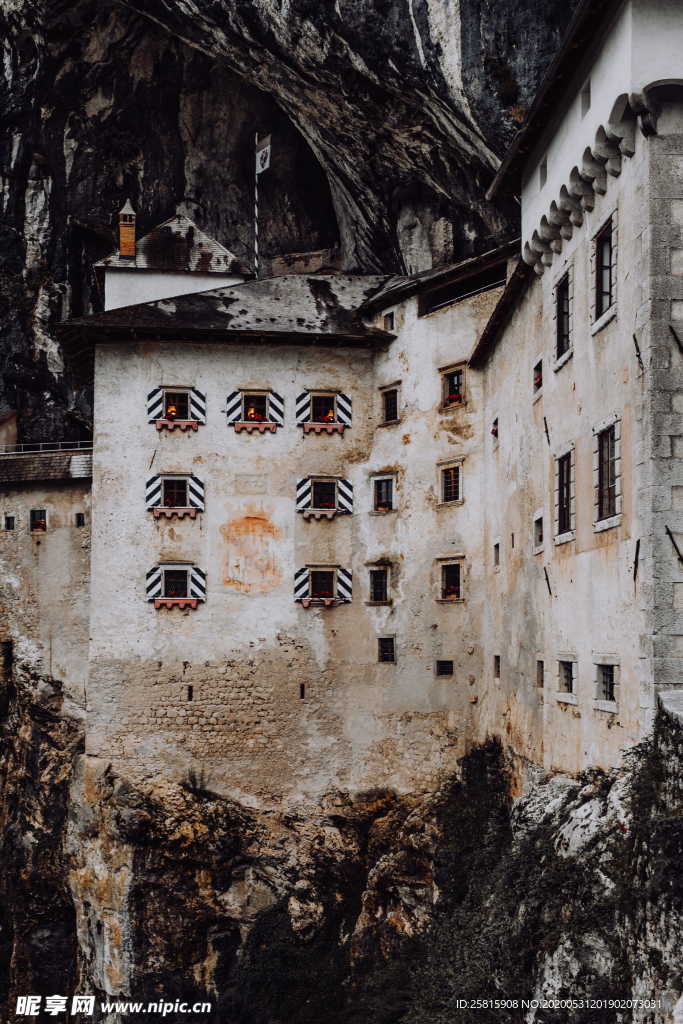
376,908
386,116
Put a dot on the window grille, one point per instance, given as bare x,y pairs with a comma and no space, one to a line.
562,317
390,405
386,649
175,583
324,494
38,520
566,677
453,386
444,668
564,493
450,483
255,408
604,283
323,409
607,475
175,493
450,581
384,494
379,584
606,682
176,405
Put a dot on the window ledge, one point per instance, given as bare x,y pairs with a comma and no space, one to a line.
450,600
447,406
320,602
566,698
176,602
324,428
538,549
607,524
322,513
604,319
564,358
180,424
388,423
450,504
174,513
250,426
564,538
382,511
379,604
610,706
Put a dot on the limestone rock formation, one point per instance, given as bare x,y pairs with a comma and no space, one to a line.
386,117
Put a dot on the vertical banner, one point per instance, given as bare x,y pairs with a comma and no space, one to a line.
262,164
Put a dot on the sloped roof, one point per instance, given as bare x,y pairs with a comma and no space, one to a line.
45,466
178,245
293,306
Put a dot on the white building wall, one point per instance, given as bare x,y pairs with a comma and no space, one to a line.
129,287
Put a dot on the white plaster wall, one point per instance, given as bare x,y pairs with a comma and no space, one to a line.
596,608
129,287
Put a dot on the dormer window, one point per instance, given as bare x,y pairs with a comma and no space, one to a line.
321,412
171,408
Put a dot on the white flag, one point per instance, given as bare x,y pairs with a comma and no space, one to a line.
263,154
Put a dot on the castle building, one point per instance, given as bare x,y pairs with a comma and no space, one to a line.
345,526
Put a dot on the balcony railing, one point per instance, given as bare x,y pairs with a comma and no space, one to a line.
36,447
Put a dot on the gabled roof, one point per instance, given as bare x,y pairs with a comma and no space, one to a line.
315,307
583,33
178,245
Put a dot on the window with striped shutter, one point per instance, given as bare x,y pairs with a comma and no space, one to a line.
181,407
174,496
255,411
171,585
324,585
324,497
324,412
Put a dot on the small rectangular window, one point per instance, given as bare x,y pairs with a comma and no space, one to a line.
450,483
390,405
494,429
566,677
10,522
607,475
175,583
386,649
379,584
190,693
450,581
606,682
454,386
563,321
496,554
80,519
254,408
323,494
496,666
540,673
538,376
176,405
175,493
444,668
38,519
604,284
543,172
389,321
383,494
538,531
586,98
564,493
322,583
323,409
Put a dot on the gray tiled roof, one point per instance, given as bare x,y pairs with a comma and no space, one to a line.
178,245
45,466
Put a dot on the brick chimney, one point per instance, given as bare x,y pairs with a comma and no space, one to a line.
127,231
